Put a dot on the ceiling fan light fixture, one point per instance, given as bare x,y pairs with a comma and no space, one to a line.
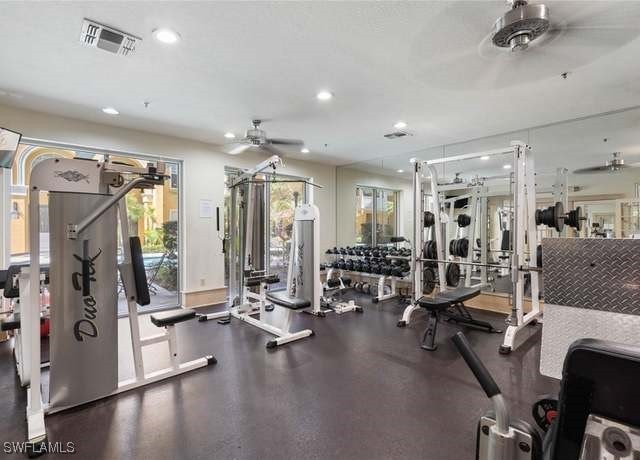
521,25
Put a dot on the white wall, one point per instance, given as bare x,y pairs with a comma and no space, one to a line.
203,178
348,180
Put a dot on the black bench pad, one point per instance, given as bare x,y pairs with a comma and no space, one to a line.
434,303
460,294
283,299
169,318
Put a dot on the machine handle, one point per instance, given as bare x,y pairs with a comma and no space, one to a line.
86,269
475,364
218,218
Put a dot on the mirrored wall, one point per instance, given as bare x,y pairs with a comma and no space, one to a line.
587,153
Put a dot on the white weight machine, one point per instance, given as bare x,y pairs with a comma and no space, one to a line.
86,201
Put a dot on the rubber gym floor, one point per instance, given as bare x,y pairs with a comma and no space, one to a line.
360,388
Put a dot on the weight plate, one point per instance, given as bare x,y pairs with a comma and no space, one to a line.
429,219
428,281
464,247
544,411
453,274
558,216
452,248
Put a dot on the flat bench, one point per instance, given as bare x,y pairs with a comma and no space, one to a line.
283,299
451,305
170,318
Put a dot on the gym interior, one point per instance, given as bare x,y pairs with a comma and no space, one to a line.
320,230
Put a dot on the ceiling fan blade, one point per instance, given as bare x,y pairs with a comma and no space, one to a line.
238,149
277,141
593,170
270,149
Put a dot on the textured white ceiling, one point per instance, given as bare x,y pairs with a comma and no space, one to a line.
385,61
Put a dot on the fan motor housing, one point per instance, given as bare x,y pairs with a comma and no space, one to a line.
521,25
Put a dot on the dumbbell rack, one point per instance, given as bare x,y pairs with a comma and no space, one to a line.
381,280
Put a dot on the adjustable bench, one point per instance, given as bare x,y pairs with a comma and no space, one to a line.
168,320
282,333
283,299
450,304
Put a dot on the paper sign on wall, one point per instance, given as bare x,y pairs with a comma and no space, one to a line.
206,209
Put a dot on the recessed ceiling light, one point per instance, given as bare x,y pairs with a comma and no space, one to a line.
413,160
229,135
167,36
484,157
110,111
507,166
324,95
304,150
400,171
400,125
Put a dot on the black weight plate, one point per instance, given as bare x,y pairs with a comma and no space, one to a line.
453,274
464,247
544,411
452,247
558,216
428,281
429,219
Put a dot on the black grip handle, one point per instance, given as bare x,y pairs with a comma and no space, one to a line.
218,218
86,269
483,376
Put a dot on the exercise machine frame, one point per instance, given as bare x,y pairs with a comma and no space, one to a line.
524,203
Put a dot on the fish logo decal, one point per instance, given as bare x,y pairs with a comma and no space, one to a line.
72,176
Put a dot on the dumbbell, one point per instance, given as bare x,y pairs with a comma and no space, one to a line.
366,288
366,267
386,270
357,265
358,286
349,265
342,264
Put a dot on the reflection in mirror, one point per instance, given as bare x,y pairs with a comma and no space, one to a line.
590,165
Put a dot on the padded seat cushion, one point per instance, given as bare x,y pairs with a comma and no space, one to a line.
283,299
460,294
169,318
434,303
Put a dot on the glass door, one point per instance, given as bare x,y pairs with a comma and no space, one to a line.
386,225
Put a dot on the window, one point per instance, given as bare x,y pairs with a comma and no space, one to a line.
376,208
152,215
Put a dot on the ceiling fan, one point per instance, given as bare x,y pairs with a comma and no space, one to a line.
528,42
257,138
615,164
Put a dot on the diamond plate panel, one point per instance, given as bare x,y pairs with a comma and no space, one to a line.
592,273
564,325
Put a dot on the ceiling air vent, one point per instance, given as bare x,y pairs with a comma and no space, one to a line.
107,38
397,134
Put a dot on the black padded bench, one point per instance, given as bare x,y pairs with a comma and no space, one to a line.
283,299
170,318
450,304
252,282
